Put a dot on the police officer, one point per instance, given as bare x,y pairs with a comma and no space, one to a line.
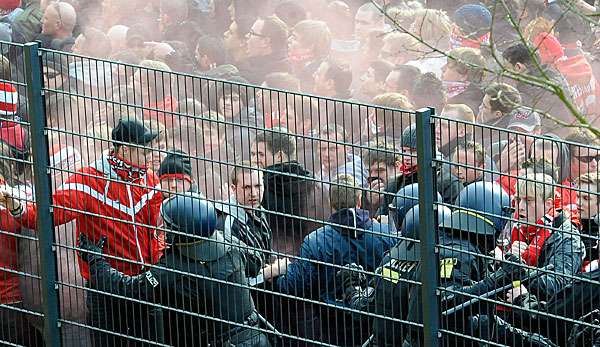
398,267
209,279
465,236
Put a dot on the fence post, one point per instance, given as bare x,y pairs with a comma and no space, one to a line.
427,224
43,193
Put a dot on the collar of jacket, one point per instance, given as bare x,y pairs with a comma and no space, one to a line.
350,221
215,247
107,166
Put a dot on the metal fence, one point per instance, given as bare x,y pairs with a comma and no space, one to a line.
326,215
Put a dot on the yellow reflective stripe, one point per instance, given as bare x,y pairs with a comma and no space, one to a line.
390,275
474,214
446,267
516,284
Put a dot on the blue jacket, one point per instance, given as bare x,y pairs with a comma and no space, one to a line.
363,245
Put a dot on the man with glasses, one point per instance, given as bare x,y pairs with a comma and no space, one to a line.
58,23
584,159
266,48
115,197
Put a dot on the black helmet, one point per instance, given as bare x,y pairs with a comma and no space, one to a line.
410,225
406,198
483,208
189,214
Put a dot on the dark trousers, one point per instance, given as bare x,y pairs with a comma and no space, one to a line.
124,321
15,329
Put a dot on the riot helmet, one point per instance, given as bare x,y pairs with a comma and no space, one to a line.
406,198
189,216
410,225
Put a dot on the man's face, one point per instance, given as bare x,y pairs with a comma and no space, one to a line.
235,45
583,160
588,201
332,155
530,208
409,157
249,189
363,24
391,81
447,131
51,21
297,46
466,174
321,81
485,111
174,185
382,171
156,153
545,150
52,78
449,74
256,43
369,86
393,55
230,106
260,155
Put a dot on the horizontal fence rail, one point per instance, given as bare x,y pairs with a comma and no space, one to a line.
147,207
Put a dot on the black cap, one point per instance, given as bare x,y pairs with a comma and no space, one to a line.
132,131
176,162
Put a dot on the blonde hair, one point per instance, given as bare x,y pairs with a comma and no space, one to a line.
404,43
592,179
433,27
315,33
467,61
464,112
393,100
344,192
536,184
537,26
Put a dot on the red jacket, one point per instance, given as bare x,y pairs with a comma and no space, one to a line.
534,236
109,208
9,282
580,77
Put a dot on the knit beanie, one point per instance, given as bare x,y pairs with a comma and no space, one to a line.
176,164
473,19
9,99
549,48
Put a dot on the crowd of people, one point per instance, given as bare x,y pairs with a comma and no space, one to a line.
245,172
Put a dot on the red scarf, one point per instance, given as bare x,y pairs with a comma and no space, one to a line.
582,83
125,169
458,40
408,170
455,88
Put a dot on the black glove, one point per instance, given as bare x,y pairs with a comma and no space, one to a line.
351,279
87,247
511,269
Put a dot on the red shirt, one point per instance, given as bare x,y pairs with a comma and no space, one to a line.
9,282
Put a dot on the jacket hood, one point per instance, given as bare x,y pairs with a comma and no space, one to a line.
288,177
353,219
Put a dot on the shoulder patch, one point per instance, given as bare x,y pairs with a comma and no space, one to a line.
446,267
151,279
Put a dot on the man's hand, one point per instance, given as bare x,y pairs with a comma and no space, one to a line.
515,293
87,248
374,197
275,269
518,248
512,155
8,198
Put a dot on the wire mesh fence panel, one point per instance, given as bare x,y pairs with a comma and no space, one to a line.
21,312
517,251
188,210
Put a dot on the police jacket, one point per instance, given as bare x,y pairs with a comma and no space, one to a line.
565,251
205,281
353,238
252,229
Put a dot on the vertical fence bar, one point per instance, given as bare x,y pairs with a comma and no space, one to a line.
41,164
427,217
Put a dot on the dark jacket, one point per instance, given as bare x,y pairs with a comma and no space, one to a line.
472,97
255,69
590,235
292,190
250,228
196,291
447,185
363,243
565,251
